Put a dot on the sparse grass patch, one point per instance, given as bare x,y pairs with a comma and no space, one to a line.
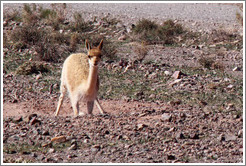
238,15
30,14
206,62
223,38
79,24
74,39
141,51
23,148
145,25
11,16
26,36
31,67
150,32
211,63
110,21
49,45
239,18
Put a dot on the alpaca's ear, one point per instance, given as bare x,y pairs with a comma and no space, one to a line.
100,45
87,45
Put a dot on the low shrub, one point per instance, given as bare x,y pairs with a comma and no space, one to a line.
150,31
79,24
31,67
206,62
210,63
141,51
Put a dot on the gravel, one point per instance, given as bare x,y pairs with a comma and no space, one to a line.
198,16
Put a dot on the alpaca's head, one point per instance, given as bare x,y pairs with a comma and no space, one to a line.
94,54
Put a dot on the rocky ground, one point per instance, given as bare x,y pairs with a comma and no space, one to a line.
169,108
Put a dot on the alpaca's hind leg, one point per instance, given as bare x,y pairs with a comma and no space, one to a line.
90,105
100,107
63,92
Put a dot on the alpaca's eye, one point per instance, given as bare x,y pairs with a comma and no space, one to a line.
89,56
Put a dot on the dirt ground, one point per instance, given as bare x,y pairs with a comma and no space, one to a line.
132,132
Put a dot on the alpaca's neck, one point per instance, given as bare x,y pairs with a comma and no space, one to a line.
92,78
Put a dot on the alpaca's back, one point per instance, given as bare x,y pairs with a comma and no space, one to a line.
76,71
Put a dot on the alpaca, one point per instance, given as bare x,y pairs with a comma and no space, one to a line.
80,78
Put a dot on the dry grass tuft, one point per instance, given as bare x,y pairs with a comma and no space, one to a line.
31,67
140,51
150,32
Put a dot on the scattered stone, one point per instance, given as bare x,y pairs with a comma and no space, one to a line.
166,117
39,76
59,139
47,144
178,74
14,101
236,69
180,135
74,142
51,150
171,157
33,154
49,159
182,115
230,137
17,119
241,150
202,102
175,102
31,116
35,121
122,37
230,106
153,75
95,148
240,134
71,156
12,151
175,82
167,73
73,147
229,87
208,109
106,132
236,116
152,96
141,126
125,137
171,129
23,134
221,137
86,141
46,132
194,136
